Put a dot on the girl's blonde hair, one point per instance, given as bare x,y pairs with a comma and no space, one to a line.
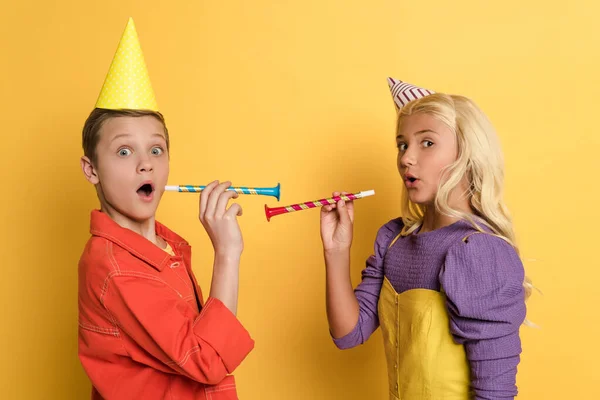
479,158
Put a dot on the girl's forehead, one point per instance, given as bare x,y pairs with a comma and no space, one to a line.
417,123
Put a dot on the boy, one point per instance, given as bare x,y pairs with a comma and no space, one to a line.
145,331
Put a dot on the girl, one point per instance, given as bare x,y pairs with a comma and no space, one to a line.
445,283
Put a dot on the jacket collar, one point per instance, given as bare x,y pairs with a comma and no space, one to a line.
103,226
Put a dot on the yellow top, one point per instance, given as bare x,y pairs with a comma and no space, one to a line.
423,360
127,84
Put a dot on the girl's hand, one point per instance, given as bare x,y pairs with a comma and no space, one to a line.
336,225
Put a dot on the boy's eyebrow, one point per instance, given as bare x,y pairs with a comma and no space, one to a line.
121,135
419,133
160,135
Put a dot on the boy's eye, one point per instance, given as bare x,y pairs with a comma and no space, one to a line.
157,151
402,146
124,152
427,143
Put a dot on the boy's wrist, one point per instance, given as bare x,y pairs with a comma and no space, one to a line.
227,259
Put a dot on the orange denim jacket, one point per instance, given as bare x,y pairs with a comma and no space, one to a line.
144,329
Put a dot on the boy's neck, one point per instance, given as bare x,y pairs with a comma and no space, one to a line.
146,228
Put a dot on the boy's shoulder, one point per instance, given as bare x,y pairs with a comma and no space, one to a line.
102,258
112,248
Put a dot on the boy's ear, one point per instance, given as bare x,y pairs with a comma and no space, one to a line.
89,171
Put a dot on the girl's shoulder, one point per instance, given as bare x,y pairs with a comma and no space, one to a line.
394,226
481,253
387,233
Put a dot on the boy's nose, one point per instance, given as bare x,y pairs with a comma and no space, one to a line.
145,166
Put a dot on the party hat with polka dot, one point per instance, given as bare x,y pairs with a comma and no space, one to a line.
127,85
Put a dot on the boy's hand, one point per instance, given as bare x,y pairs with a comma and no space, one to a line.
336,225
221,222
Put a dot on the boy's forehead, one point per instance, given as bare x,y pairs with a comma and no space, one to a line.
132,126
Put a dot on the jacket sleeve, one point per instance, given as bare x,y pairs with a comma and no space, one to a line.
204,347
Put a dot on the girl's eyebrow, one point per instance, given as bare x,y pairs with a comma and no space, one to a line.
419,133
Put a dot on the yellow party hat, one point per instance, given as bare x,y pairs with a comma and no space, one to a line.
127,84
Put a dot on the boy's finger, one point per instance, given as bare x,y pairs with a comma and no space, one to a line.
222,202
204,198
211,204
234,210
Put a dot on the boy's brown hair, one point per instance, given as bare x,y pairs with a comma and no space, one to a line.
94,122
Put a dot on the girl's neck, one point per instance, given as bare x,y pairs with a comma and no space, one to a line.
458,201
433,220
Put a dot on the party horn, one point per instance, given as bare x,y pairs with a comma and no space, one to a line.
271,212
273,191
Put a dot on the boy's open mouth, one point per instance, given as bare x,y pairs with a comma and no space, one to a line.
146,189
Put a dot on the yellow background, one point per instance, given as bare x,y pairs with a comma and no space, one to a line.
261,92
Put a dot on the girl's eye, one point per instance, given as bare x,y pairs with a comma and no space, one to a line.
124,152
157,151
427,143
402,146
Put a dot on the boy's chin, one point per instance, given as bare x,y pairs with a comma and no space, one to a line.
143,214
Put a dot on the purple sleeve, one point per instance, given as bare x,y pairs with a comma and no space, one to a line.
367,292
483,281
